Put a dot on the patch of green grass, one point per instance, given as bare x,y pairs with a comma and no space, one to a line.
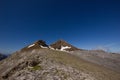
37,67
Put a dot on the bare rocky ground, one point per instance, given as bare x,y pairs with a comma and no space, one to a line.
45,64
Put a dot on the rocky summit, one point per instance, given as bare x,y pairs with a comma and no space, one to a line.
63,46
36,45
39,62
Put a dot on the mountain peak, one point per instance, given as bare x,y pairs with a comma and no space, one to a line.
63,46
41,42
61,40
36,45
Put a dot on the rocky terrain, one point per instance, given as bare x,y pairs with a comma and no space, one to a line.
39,61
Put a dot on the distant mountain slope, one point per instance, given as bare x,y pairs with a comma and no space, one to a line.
63,46
103,58
2,56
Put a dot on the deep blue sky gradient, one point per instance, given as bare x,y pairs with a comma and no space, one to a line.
86,24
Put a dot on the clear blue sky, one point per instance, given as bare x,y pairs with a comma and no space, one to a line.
86,24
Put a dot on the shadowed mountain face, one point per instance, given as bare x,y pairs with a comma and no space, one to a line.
2,56
63,46
39,62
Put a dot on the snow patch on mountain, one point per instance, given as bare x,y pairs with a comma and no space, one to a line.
63,48
31,45
43,46
51,48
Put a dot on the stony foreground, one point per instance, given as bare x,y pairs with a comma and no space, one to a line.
48,64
